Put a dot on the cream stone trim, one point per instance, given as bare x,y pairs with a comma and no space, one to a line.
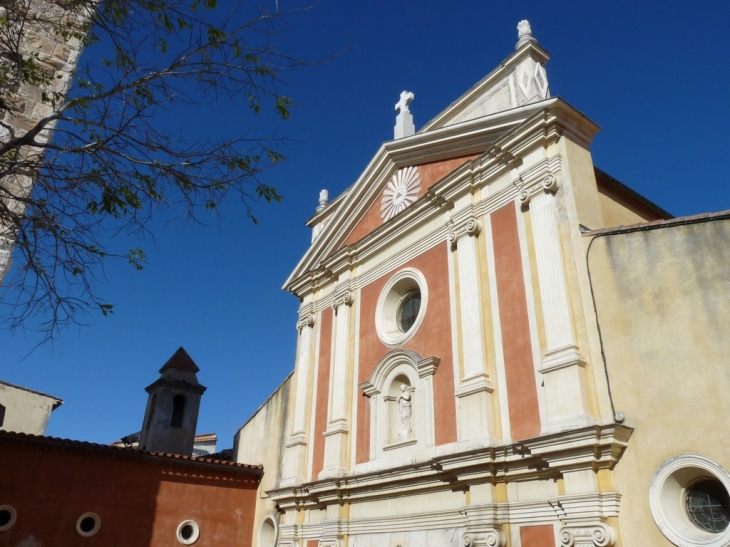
667,499
481,522
438,468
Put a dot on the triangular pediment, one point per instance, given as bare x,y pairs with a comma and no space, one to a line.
448,146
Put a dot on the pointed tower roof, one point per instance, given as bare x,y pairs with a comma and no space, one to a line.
180,361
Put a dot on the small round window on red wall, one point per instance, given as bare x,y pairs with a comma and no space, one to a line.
7,517
188,532
88,524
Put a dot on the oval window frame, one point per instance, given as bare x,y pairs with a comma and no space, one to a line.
386,311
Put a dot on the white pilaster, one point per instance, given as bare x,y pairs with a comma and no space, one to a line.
336,435
475,388
296,446
562,365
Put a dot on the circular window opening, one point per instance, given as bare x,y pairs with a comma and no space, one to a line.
188,532
689,499
708,506
401,307
88,524
7,517
408,310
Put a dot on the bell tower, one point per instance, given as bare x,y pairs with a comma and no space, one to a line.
172,408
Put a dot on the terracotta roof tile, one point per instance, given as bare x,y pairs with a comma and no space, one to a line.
125,452
181,361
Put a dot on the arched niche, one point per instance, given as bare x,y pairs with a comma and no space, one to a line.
400,391
268,531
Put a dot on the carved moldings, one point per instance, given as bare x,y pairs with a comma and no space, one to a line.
330,543
427,366
468,227
587,535
549,183
489,538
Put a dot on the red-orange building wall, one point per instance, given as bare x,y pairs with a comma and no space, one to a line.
433,339
140,500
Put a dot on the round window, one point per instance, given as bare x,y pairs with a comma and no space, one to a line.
690,501
708,506
7,517
401,307
188,532
88,524
408,310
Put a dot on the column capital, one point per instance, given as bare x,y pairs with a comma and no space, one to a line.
343,296
467,227
587,535
305,320
546,183
487,538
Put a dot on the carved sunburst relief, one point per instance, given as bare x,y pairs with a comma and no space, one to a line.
401,191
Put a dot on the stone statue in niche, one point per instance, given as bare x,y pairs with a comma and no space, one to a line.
405,409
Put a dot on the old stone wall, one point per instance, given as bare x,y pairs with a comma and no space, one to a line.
55,57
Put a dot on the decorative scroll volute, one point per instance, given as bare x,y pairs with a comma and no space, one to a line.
488,538
343,297
549,183
305,320
468,227
587,535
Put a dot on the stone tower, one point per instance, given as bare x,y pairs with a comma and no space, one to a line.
172,408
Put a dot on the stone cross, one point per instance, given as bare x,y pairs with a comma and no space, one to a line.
404,120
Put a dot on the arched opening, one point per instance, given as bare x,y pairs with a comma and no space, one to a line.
2,415
178,411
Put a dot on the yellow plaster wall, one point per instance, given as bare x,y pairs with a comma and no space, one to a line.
617,212
663,299
261,442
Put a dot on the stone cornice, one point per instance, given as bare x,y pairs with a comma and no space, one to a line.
548,456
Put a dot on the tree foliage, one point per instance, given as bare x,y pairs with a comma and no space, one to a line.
110,164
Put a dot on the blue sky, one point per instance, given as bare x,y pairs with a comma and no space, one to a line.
654,75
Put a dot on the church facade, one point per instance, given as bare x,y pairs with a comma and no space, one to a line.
496,346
